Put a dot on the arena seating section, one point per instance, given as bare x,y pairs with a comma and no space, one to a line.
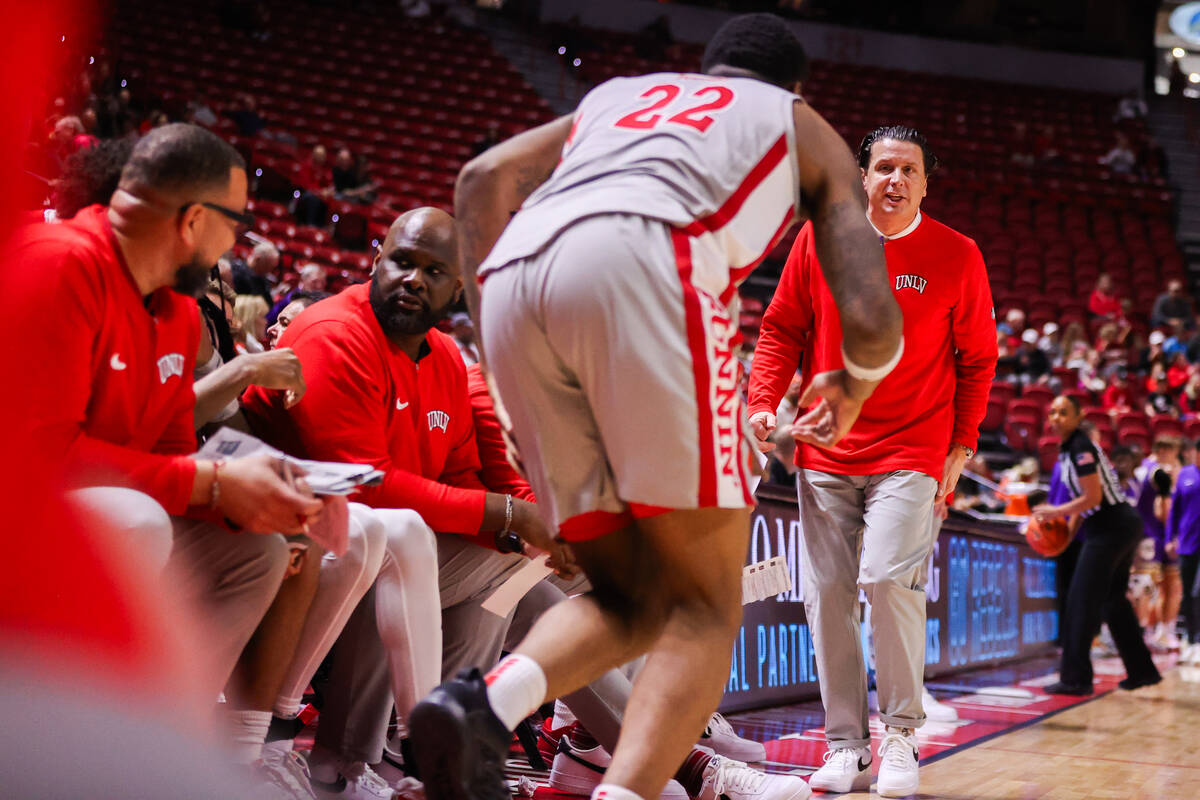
413,95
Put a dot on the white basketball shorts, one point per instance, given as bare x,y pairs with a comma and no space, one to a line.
618,377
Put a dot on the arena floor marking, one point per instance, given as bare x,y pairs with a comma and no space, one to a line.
795,740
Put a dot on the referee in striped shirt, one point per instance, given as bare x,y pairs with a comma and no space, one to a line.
1110,530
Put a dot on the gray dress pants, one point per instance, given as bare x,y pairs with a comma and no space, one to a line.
872,532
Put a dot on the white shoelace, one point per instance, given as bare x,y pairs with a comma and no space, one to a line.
718,724
370,780
896,750
735,776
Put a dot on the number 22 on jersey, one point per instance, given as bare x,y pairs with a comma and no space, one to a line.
697,109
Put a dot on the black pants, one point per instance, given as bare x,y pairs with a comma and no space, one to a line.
1064,570
1189,566
1097,595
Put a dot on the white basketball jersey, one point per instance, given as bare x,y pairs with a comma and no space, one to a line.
712,156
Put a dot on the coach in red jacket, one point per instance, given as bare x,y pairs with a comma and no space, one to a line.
906,450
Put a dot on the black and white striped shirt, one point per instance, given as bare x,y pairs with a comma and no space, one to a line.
1080,456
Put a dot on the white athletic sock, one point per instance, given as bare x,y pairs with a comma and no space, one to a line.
516,687
608,791
562,715
247,731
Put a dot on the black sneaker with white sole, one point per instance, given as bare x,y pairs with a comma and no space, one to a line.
459,744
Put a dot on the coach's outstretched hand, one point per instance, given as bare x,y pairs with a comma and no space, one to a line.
838,404
763,425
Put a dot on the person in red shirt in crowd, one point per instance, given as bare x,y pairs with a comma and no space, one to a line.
905,452
109,389
1178,371
1118,396
1104,301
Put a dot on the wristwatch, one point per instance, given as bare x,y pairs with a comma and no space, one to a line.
970,453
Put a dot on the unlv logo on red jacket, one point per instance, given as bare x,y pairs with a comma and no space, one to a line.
911,282
170,365
438,419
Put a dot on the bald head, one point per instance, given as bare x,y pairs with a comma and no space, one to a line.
428,228
417,278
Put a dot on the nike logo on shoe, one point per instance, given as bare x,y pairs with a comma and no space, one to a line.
863,765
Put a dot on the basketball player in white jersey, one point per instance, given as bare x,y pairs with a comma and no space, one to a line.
606,326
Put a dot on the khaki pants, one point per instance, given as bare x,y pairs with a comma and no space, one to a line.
872,532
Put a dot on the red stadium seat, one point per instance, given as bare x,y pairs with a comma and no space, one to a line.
1047,450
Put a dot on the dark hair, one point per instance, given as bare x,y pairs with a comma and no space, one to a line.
90,176
1074,401
760,43
901,133
181,157
1120,451
308,298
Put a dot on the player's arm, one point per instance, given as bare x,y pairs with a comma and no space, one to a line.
851,259
786,327
492,186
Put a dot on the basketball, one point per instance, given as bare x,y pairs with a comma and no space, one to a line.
1047,538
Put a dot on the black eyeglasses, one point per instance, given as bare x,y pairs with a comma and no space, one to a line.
241,218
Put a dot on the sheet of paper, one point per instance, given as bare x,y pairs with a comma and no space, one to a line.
509,593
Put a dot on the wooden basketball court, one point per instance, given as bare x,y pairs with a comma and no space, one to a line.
1129,745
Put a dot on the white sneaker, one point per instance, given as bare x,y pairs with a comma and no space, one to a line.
847,769
355,781
726,779
1190,654
580,771
936,711
287,773
898,762
720,737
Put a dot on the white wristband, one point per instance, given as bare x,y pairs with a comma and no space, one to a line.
872,374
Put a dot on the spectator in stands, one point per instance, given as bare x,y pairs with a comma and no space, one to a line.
1120,159
1013,324
463,331
90,176
244,113
1178,371
1045,146
1110,531
1189,396
1022,145
200,112
491,137
1110,339
1130,107
310,278
1160,400
300,300
1050,343
1073,334
1117,397
351,181
67,138
1172,309
315,180
256,275
1031,364
1153,354
1091,371
1104,302
250,311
